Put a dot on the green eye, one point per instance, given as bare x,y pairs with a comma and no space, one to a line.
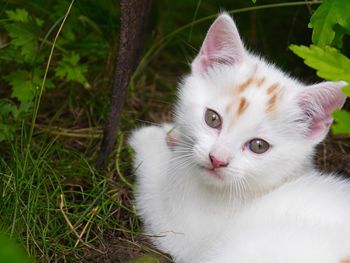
258,146
212,119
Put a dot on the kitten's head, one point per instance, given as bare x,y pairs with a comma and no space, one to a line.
244,121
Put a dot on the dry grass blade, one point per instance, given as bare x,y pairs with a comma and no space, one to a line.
79,236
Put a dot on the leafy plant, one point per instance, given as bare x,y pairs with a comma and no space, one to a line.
70,69
330,23
23,58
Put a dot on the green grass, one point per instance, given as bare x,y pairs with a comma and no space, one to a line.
53,202
58,205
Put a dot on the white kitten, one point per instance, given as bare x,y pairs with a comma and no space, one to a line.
232,179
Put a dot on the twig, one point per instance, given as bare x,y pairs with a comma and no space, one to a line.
74,228
94,211
67,219
75,133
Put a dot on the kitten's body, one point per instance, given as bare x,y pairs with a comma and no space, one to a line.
271,207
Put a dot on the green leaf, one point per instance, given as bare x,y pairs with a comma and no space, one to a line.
39,22
70,69
24,86
342,122
22,36
346,90
22,83
6,132
339,35
329,62
24,32
19,15
7,108
324,21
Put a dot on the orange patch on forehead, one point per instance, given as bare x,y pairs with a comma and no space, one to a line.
272,88
243,104
271,103
260,82
345,260
245,84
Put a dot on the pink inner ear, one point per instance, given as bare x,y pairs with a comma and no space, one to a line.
222,45
318,102
319,127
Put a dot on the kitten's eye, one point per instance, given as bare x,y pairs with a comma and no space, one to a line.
212,119
258,146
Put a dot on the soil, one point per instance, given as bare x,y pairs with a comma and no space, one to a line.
333,155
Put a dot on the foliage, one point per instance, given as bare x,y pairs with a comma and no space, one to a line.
330,63
70,69
24,55
342,125
330,23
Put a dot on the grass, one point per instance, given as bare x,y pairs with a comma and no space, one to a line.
53,202
59,207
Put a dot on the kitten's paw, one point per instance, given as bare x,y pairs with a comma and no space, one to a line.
170,134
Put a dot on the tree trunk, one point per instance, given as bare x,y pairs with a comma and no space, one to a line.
134,19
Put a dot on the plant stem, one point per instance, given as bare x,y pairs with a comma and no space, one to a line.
38,100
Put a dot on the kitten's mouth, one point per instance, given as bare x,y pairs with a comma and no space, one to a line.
213,172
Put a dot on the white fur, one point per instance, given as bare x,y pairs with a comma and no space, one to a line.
273,207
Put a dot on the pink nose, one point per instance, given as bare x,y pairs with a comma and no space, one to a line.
216,162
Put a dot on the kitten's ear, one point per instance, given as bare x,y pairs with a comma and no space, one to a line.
222,45
318,102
